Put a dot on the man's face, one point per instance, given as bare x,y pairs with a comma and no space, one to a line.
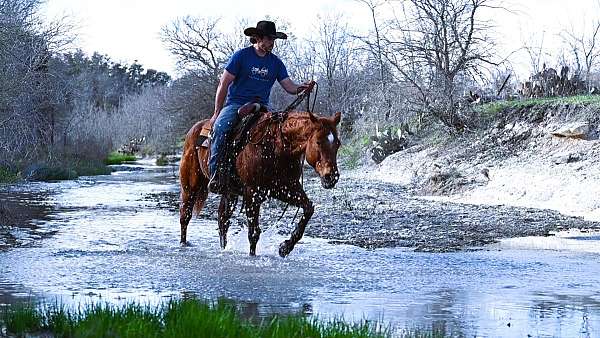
266,43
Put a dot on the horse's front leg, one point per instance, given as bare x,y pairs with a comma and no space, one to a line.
295,196
252,204
226,207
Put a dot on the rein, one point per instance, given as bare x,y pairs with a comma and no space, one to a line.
303,95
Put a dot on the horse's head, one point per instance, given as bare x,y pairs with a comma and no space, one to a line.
322,148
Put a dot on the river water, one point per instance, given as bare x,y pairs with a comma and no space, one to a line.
115,239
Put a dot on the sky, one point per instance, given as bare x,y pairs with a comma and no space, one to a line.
128,30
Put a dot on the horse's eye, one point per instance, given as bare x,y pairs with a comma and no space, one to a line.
318,143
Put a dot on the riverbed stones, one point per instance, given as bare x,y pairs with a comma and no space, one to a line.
565,158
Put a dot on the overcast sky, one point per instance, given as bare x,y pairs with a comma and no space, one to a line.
128,30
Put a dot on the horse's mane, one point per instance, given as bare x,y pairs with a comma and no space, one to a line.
267,123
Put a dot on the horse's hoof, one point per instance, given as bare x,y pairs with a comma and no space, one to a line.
185,244
285,249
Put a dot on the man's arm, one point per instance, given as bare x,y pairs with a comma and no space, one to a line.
224,83
291,87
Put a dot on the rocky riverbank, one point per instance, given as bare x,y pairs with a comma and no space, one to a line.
542,156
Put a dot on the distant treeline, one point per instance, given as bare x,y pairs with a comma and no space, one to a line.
57,105
412,70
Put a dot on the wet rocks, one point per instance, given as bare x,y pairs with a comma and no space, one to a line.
445,182
119,167
565,158
388,215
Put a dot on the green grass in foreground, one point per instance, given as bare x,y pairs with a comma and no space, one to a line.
187,318
119,158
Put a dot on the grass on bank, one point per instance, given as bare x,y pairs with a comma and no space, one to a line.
67,169
63,167
493,108
115,157
162,160
8,176
186,318
352,151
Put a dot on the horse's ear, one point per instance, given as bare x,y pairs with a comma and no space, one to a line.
313,118
337,118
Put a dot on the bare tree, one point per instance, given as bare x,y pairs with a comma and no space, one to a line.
196,44
236,40
535,49
376,47
27,87
435,41
201,50
585,48
331,47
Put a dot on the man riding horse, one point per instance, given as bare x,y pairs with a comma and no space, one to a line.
268,161
249,76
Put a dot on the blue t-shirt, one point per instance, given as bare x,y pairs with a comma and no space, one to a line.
254,76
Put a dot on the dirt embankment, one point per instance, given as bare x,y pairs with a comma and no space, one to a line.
522,158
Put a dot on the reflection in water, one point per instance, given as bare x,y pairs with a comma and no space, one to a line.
106,240
24,209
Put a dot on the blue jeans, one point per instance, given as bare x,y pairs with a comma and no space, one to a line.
227,119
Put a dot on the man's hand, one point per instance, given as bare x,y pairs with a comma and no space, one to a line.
304,86
292,88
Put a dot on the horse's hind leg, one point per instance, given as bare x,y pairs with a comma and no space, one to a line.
252,205
186,208
296,197
226,208
193,189
192,201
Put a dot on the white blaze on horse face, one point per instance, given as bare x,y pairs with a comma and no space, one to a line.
330,137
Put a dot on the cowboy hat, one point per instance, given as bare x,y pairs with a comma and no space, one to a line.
265,28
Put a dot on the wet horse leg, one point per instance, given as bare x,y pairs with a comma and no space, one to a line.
193,190
295,196
226,208
252,204
191,199
186,207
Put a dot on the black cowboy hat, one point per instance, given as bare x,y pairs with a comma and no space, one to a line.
265,28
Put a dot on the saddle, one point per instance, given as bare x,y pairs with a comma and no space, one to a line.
248,114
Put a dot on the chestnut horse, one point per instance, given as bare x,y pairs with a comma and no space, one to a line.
269,166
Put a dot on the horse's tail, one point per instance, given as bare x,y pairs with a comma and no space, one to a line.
194,182
203,189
